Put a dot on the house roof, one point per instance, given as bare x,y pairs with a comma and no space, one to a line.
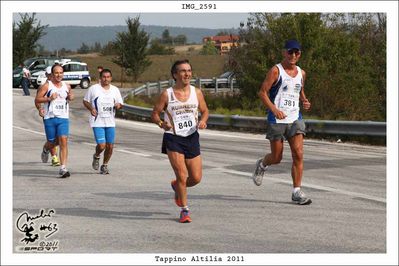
223,38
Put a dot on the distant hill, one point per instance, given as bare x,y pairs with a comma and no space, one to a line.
72,37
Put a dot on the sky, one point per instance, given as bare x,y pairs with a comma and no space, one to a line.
194,20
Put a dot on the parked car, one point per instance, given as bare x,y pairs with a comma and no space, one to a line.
34,65
17,77
229,75
75,73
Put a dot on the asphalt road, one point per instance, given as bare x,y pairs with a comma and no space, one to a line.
132,210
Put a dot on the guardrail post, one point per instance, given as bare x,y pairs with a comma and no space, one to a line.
215,81
159,87
147,88
171,82
198,82
232,85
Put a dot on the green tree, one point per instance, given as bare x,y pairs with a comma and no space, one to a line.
157,48
180,39
166,38
96,47
109,49
131,49
339,54
84,49
209,49
26,34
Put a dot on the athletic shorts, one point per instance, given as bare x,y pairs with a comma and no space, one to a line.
56,127
104,134
285,131
189,146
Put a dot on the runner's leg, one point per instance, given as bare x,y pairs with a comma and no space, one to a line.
194,167
296,145
179,167
276,155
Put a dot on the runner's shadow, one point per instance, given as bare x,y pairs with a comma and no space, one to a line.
135,215
30,163
163,195
52,173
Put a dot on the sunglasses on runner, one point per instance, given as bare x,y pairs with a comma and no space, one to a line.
292,51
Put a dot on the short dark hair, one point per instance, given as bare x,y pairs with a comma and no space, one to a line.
55,65
105,70
173,70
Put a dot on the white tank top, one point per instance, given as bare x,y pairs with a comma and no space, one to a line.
58,107
183,116
287,97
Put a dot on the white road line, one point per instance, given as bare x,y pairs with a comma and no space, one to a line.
29,130
135,153
220,169
86,143
330,189
90,144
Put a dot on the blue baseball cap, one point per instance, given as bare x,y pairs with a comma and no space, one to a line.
292,44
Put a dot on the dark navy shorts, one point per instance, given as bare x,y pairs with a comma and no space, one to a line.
189,146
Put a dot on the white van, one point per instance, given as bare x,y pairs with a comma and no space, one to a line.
75,73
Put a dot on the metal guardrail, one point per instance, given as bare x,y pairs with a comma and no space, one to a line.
328,127
218,85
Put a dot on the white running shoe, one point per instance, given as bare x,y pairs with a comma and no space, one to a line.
259,172
300,198
104,170
64,173
45,155
96,162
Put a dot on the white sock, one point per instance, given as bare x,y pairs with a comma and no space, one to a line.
296,189
63,166
264,167
185,208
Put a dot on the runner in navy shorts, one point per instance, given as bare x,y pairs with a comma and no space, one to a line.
181,104
189,146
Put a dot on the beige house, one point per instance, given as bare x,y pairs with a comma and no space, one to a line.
223,43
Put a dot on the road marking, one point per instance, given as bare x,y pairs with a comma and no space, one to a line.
90,144
229,171
85,143
29,130
330,189
135,153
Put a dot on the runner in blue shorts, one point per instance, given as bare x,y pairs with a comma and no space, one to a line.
281,92
56,95
102,100
181,139
46,151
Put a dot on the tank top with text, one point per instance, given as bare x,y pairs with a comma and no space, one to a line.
183,116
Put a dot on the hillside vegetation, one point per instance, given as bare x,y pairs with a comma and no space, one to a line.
204,66
72,37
